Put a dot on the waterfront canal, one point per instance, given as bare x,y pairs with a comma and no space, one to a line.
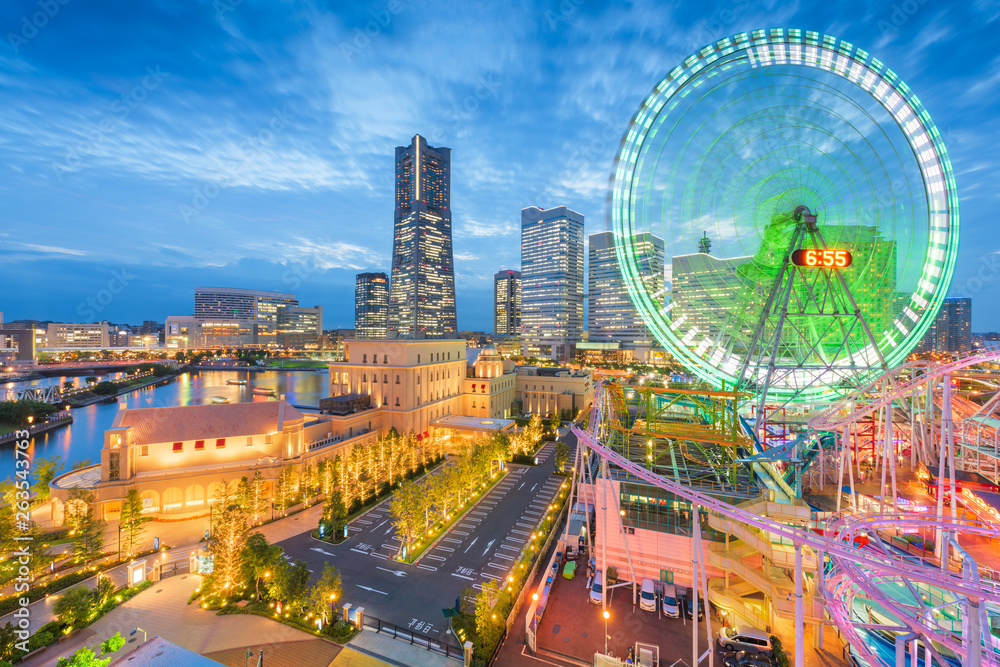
83,438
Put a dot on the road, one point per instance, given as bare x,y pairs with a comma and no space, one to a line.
481,546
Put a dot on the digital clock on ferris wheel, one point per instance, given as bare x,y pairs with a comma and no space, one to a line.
819,258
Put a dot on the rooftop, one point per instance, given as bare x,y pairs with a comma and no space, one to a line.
482,424
196,422
158,651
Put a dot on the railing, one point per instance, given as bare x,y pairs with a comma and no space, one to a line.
414,639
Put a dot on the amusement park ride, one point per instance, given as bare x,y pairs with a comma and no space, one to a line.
833,205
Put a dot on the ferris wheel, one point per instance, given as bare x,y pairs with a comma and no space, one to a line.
807,208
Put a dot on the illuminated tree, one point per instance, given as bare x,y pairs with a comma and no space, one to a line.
227,541
257,499
132,521
407,511
325,593
88,542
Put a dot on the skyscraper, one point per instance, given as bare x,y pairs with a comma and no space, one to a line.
257,307
371,306
422,290
951,330
507,303
551,281
612,317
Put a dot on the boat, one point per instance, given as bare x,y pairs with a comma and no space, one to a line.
239,382
263,391
219,399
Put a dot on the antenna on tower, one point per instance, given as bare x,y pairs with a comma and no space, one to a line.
704,243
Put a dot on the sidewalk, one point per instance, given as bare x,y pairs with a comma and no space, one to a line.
162,610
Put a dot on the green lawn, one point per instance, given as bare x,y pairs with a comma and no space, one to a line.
296,363
6,428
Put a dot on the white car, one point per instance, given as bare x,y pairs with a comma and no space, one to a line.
669,601
597,588
647,596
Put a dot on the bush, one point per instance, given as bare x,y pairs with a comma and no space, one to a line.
780,658
105,388
523,459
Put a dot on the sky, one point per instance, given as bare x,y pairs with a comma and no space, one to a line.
148,148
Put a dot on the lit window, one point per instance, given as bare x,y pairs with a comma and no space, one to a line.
144,451
199,444
249,441
220,443
178,446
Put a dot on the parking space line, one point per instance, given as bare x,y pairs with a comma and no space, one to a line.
462,576
460,532
490,576
499,567
503,556
452,540
359,551
429,568
388,546
378,555
364,521
519,532
444,548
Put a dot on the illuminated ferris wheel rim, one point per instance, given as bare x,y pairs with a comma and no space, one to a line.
806,49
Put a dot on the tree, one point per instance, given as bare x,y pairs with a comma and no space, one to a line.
75,607
260,561
334,512
90,379
290,584
561,455
489,628
226,544
88,542
77,505
45,471
132,521
325,593
85,656
68,384
106,388
407,511
257,500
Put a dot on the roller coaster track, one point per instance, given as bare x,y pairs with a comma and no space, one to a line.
855,569
868,399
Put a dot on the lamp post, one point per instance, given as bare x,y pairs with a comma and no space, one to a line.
145,636
606,617
119,539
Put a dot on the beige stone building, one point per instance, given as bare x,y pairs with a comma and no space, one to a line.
410,382
547,390
489,386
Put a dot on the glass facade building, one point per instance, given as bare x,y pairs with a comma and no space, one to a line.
612,317
371,306
551,281
951,330
422,287
507,303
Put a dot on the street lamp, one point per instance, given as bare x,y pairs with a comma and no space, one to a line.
606,617
144,635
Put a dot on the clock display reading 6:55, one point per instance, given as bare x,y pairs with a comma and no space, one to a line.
822,259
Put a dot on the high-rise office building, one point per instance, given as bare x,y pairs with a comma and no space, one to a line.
551,281
507,303
240,304
612,317
371,306
951,330
422,288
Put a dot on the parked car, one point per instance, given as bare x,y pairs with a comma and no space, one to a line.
744,638
688,606
647,595
668,601
746,659
597,588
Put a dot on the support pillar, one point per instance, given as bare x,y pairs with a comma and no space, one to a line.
695,529
800,648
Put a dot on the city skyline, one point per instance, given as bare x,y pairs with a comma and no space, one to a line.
307,209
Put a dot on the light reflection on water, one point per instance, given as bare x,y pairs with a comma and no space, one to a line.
84,437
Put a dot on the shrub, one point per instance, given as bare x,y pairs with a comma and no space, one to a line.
780,658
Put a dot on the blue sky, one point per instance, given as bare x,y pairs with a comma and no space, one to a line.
164,145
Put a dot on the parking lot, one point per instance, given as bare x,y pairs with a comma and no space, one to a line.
574,628
482,546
